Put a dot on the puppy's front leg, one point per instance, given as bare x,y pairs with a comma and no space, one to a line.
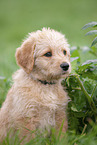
60,117
3,124
5,116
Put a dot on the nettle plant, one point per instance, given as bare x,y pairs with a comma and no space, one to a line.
82,87
92,32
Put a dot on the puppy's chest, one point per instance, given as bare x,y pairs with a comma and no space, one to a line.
47,119
46,102
53,95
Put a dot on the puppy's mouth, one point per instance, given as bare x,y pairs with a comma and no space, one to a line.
64,74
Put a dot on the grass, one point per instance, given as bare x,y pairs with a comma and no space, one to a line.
68,138
17,19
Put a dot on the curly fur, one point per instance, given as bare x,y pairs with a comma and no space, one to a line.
31,104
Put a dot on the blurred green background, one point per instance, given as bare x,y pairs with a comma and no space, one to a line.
19,17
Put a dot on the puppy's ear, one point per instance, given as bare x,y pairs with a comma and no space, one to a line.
24,55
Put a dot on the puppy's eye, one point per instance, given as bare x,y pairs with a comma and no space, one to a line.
64,51
48,54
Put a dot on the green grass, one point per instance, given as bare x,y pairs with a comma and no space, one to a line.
68,138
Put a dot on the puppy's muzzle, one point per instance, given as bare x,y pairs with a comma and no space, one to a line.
64,66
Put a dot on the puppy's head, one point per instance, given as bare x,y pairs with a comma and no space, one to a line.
45,54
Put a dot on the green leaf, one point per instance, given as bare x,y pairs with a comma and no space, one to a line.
94,41
93,51
91,24
73,108
76,54
91,32
88,69
73,58
88,62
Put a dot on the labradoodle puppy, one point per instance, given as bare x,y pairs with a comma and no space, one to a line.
37,99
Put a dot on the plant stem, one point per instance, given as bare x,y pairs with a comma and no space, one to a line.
89,98
93,91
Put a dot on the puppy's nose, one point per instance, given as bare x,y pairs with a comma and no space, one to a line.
64,66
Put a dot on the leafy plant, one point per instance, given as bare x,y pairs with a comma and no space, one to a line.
92,32
82,89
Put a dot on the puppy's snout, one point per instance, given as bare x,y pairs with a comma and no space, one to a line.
64,66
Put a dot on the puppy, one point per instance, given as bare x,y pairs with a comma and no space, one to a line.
37,99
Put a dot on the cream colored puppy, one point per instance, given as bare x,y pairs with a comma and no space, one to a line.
37,99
